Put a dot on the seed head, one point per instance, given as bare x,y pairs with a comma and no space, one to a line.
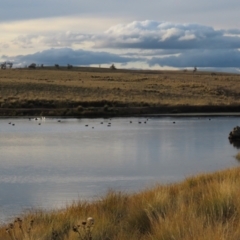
90,221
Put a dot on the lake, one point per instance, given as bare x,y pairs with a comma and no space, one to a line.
48,163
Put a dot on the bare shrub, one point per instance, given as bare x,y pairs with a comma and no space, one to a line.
32,65
69,66
3,66
112,67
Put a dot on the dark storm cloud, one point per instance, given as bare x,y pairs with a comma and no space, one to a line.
201,58
66,56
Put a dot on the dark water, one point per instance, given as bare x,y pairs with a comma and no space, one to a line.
49,165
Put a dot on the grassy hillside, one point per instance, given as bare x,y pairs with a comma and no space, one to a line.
99,91
201,207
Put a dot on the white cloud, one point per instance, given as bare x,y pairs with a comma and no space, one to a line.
187,36
22,36
169,33
165,35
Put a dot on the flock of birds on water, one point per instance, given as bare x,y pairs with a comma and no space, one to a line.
86,125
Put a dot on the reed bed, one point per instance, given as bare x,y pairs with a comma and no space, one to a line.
205,206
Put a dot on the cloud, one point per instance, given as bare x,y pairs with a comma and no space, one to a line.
216,12
58,39
135,35
64,56
165,35
66,39
12,10
148,43
223,58
40,34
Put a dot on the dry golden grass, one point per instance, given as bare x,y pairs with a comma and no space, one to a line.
201,207
92,87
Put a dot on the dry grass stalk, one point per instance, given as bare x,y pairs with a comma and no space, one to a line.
202,207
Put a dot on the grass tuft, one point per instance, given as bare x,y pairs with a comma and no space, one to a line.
206,206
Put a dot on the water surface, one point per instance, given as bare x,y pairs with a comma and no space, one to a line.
49,165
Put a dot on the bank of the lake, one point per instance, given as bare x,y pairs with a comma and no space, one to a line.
102,92
206,206
98,112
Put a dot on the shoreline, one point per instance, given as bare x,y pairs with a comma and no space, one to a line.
203,201
100,112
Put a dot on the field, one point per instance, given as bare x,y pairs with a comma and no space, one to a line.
97,91
203,207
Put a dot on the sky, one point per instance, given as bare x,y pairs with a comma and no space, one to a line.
167,34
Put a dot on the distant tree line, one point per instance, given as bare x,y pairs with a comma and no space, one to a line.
34,65
6,65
